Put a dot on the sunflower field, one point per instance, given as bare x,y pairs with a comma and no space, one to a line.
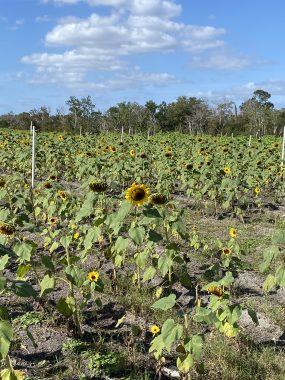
141,258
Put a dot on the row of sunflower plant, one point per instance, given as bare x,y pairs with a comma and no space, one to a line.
76,210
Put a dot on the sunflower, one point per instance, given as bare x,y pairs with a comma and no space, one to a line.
189,166
257,191
98,186
158,199
227,170
132,153
113,149
76,235
62,194
6,229
53,220
168,154
168,149
143,155
233,232
137,194
154,329
53,177
226,251
216,290
60,138
2,182
47,185
93,276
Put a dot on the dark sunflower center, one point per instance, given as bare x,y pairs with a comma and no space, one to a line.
138,194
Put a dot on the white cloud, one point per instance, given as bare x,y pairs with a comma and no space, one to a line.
220,61
44,18
241,92
17,24
162,8
99,44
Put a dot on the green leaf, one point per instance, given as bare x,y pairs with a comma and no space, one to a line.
280,276
269,283
87,207
279,237
268,256
197,343
47,285
171,332
25,250
141,259
137,234
65,241
121,244
91,237
165,303
3,261
185,364
154,236
66,306
164,264
151,213
2,283
22,270
253,316
47,262
6,336
75,275
23,289
4,314
149,274
227,280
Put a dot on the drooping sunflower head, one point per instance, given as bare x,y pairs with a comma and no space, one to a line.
62,194
189,166
233,232
132,153
47,185
168,149
113,149
6,229
138,194
93,276
53,177
154,329
226,251
216,290
158,199
143,155
2,182
227,170
98,186
257,190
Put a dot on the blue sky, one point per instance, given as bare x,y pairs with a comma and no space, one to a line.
136,50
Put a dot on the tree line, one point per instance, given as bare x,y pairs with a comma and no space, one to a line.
256,115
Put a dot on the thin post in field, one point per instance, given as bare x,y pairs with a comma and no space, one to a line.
283,147
122,133
33,154
249,141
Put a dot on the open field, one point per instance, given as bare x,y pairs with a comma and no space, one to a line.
142,259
